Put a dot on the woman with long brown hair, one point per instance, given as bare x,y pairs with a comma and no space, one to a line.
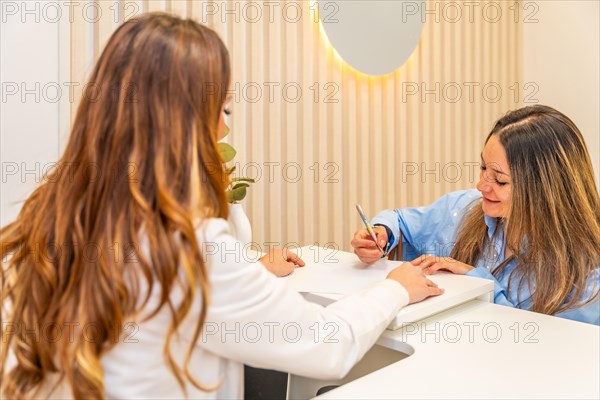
532,226
118,276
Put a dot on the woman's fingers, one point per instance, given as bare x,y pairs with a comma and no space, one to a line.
364,247
431,283
367,256
363,243
381,235
433,268
363,239
286,269
425,261
434,291
433,288
294,258
432,264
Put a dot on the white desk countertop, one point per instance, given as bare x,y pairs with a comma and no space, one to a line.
473,350
482,350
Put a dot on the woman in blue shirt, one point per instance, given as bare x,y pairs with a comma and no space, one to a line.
532,225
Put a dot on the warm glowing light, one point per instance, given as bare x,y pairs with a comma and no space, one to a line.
329,47
339,60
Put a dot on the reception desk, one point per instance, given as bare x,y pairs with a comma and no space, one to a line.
471,350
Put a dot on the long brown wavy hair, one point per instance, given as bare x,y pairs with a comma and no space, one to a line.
552,227
136,144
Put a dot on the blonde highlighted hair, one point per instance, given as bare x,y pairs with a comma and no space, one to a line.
127,168
553,224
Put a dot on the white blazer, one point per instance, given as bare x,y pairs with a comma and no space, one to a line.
253,318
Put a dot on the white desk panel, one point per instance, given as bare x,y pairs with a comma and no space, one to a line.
480,350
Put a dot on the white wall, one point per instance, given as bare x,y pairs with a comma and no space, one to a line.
562,56
33,112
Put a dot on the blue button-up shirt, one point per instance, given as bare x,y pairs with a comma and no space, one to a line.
433,230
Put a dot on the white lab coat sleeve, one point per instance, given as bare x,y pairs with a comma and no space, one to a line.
254,318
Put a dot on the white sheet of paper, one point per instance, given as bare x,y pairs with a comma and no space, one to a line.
330,274
335,271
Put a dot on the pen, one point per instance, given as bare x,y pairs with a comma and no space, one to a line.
369,227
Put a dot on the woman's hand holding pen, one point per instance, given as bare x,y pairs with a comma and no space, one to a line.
281,262
364,246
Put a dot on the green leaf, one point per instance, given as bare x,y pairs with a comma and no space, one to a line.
236,194
227,151
239,185
227,130
243,180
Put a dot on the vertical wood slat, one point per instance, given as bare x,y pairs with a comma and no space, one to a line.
426,113
447,120
179,7
389,115
320,144
79,49
156,5
260,193
325,61
307,212
276,120
374,135
290,141
106,24
375,140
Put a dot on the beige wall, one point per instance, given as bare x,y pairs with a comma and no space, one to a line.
561,53
328,137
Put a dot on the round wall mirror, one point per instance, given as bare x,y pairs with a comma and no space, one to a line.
375,37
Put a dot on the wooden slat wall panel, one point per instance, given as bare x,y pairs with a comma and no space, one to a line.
353,138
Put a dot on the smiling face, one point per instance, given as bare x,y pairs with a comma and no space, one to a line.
494,180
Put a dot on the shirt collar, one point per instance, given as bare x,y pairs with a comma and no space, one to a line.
491,223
